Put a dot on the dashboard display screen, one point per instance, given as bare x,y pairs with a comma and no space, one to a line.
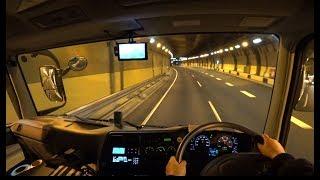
118,150
129,156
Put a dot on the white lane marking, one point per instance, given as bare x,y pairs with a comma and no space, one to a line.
158,104
214,111
199,83
248,94
192,75
300,123
218,79
229,84
211,75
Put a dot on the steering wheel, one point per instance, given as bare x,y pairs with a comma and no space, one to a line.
252,163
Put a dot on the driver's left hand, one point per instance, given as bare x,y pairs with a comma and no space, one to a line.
174,168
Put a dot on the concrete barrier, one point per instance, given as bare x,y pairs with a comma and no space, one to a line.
251,77
234,73
257,78
245,75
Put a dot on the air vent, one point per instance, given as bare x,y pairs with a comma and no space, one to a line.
128,3
66,16
257,21
28,4
186,23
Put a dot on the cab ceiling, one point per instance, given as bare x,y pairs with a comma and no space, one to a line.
40,24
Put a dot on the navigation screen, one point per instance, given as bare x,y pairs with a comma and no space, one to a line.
133,51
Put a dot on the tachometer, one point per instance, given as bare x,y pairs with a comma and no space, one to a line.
202,141
227,144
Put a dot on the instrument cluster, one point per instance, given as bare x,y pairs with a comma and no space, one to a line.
214,144
211,144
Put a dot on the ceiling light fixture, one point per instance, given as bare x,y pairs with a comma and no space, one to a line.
257,40
152,40
245,44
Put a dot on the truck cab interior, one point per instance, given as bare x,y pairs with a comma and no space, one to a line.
108,88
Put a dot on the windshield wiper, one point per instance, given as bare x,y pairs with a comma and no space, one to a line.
85,120
142,126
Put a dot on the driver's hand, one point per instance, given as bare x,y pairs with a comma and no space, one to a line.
271,147
173,168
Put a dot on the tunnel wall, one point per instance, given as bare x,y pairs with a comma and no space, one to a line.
103,76
257,60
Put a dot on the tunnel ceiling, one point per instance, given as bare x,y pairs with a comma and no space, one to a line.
195,44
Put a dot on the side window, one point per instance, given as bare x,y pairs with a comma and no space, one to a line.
300,141
11,115
14,154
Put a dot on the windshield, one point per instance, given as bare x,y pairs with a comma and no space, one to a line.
185,79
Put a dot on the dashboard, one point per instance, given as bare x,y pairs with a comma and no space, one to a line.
147,152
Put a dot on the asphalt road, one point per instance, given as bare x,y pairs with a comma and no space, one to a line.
199,96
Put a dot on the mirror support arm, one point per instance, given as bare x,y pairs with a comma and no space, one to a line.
65,71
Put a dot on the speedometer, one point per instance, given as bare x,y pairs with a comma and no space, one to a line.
202,141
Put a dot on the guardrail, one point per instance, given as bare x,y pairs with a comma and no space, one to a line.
125,101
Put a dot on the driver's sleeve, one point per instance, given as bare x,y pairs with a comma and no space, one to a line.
285,164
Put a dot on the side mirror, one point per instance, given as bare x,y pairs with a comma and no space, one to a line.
77,63
52,84
305,102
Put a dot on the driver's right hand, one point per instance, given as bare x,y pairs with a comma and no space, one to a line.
271,147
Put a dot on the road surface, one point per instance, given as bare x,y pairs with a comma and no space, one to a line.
200,96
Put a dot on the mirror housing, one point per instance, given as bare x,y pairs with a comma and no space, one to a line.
52,84
305,102
51,78
77,63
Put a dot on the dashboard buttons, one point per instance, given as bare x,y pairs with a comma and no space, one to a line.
171,150
160,149
149,150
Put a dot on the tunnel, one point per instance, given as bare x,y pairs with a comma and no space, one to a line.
255,61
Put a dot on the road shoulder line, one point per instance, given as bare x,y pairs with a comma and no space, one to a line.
159,102
214,111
